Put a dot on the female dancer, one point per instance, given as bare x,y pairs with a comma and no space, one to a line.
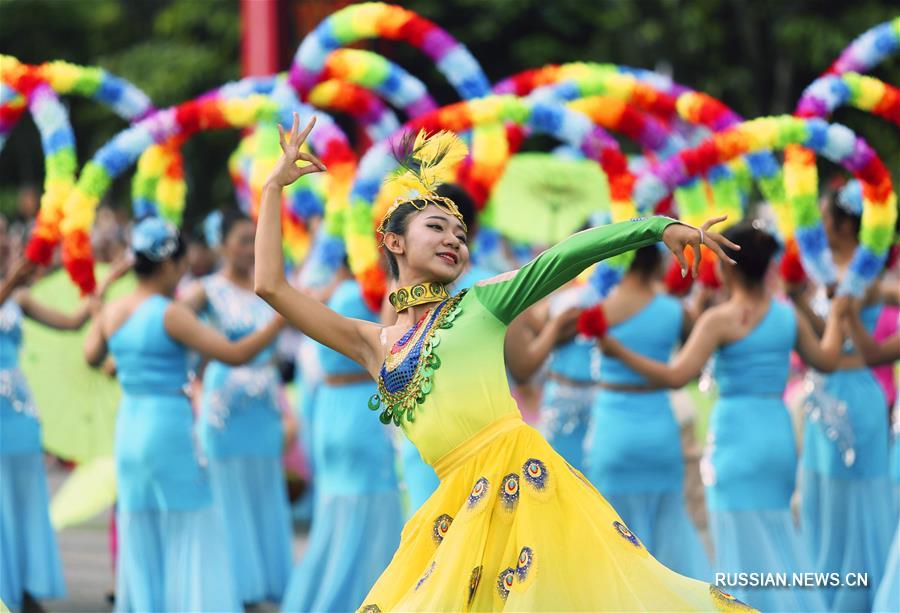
511,524
30,565
357,519
887,598
845,513
240,425
635,458
751,451
172,554
418,476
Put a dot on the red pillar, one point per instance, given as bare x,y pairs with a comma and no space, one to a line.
259,37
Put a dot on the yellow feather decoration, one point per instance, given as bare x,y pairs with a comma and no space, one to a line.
428,161
425,162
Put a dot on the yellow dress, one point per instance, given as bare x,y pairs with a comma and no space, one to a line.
512,526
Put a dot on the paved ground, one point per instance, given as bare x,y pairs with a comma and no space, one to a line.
85,557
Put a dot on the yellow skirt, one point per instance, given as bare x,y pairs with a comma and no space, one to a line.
513,527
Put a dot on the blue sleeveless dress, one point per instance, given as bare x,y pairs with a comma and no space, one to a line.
846,508
419,478
635,457
172,553
566,407
750,464
358,518
242,437
30,558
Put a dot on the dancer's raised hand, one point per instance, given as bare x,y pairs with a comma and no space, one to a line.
286,170
680,235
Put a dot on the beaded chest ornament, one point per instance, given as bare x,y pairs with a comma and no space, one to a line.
407,375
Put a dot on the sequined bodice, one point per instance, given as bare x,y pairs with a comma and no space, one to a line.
462,385
10,334
236,312
406,376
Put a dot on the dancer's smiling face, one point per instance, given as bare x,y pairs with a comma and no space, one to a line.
430,245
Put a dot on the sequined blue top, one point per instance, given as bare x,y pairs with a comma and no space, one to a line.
239,408
20,431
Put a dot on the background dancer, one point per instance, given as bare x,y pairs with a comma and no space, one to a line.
172,551
751,456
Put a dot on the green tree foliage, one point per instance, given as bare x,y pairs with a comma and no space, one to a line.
173,50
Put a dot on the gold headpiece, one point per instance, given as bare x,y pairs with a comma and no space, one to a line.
425,163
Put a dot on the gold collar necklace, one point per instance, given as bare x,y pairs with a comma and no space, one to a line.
413,295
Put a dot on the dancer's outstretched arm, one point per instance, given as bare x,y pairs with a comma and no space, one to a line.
511,293
354,338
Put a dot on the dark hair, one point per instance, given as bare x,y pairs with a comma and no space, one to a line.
646,261
463,201
231,218
758,247
841,215
145,267
399,221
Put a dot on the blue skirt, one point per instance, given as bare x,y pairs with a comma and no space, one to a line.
635,444
661,521
887,598
848,529
565,419
353,539
763,541
30,558
251,495
173,561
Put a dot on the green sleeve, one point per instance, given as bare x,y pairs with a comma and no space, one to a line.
565,261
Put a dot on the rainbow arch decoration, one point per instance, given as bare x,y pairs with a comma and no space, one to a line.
835,142
377,20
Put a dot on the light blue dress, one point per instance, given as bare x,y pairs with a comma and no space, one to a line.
635,457
358,518
242,438
750,465
30,558
846,506
172,553
419,478
888,596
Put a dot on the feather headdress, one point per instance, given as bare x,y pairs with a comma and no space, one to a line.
425,163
